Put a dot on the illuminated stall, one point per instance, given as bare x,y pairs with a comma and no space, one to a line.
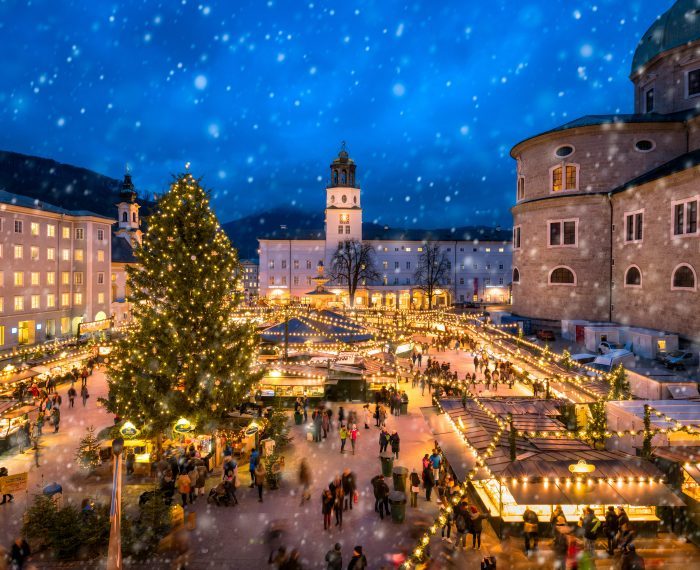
290,382
551,467
13,415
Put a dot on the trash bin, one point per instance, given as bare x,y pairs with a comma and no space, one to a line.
387,460
397,500
404,408
400,475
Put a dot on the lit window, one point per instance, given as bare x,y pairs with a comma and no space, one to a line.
34,253
65,232
685,217
50,230
34,278
51,278
634,223
19,251
2,335
271,264
19,303
78,278
2,278
565,177
100,298
78,254
65,254
65,299
408,249
19,278
385,264
2,304
35,301
344,218
19,226
78,298
420,249
100,255
50,300
65,277
488,250
50,254
34,228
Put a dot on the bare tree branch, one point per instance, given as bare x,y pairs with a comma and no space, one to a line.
353,265
433,270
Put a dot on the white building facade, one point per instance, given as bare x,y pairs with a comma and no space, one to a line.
54,270
479,258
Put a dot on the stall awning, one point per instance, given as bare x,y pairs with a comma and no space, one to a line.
19,376
537,494
693,472
18,412
655,494
595,493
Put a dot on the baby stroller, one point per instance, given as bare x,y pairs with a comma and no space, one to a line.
219,496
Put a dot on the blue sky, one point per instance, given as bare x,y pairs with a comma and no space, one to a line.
430,96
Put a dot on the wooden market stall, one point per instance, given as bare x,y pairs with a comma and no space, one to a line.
13,415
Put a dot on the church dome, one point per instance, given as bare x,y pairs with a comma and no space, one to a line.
678,26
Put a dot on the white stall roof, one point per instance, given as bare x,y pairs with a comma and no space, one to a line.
685,412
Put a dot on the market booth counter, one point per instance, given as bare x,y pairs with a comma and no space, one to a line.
12,416
548,471
289,385
10,381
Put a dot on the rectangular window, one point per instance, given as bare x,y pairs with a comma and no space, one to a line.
34,228
2,304
79,233
284,264
50,253
396,264
19,226
308,264
283,281
65,254
78,278
500,280
685,217
50,300
461,280
500,266
100,255
35,301
634,226
50,230
408,249
271,280
420,249
19,303
570,177
296,280
557,180
649,100
2,278
34,278
521,187
65,325
694,83
2,250
65,277
347,229
271,264
100,235
65,232
408,265
78,298
563,233
385,265
516,237
34,253
19,278
488,266
487,281
51,278
101,298
295,264
340,229
78,254
19,251
2,335
100,278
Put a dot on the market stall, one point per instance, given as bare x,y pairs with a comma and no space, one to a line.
12,418
289,386
10,381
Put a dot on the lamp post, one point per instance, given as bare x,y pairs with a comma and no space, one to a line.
114,554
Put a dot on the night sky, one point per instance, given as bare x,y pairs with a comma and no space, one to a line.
430,96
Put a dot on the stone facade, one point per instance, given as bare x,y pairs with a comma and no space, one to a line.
614,200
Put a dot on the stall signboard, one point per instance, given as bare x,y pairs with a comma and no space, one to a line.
177,516
252,429
14,483
94,326
129,430
183,426
582,467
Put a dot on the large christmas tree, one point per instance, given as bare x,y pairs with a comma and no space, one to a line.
185,358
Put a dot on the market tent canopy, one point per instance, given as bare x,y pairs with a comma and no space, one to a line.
655,494
594,493
537,494
317,330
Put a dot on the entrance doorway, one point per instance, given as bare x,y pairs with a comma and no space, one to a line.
25,332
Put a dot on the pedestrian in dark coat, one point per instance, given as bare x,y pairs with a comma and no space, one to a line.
349,485
428,482
358,560
395,441
334,558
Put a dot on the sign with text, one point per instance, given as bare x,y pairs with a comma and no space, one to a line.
14,483
94,326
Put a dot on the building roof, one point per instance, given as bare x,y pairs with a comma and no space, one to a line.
678,26
122,252
678,164
300,234
27,202
372,231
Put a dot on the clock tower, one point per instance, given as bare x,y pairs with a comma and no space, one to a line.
343,207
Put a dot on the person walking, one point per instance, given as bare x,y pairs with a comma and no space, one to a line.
415,488
71,396
381,495
327,501
84,394
184,487
19,553
476,526
589,524
339,497
252,464
349,488
343,433
383,440
612,527
530,530
354,432
428,482
358,560
462,527
435,461
55,418
395,442
334,558
305,480
259,480
366,415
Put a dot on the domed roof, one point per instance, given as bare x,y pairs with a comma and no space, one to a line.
678,26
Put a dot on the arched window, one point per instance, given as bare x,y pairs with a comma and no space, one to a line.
125,217
516,275
344,177
562,276
133,216
684,277
335,177
332,198
564,177
633,277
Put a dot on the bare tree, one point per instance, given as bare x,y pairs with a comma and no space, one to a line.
353,265
433,270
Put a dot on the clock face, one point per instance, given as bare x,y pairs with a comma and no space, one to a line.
344,198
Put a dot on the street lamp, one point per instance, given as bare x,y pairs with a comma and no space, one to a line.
114,555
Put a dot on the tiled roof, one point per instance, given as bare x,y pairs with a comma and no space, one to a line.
27,202
678,164
122,252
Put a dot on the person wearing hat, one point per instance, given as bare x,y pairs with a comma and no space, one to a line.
358,560
334,558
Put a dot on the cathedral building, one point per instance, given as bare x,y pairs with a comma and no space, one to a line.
479,258
606,214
